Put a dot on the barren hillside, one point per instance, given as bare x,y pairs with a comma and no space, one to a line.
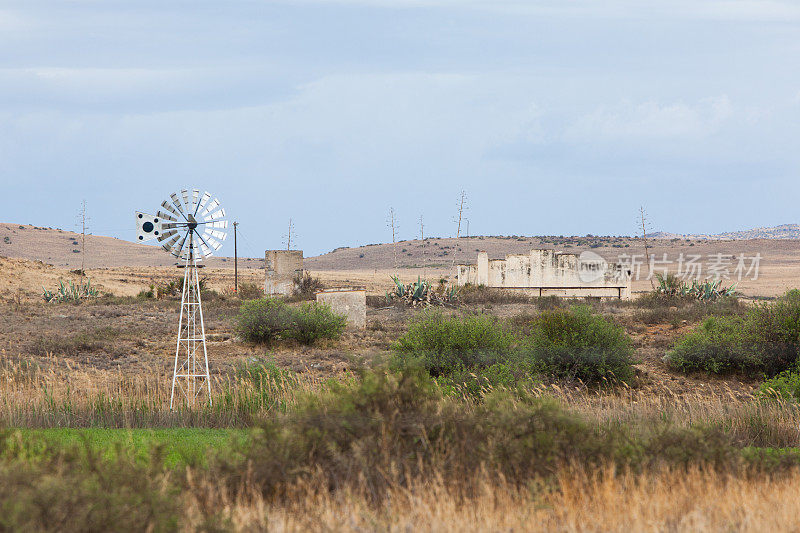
62,249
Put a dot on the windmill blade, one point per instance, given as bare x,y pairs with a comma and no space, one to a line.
203,201
170,243
217,215
212,206
202,240
169,208
177,203
195,198
215,244
185,194
221,224
217,234
178,248
166,216
204,250
166,235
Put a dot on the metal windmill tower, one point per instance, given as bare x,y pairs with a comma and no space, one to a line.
190,227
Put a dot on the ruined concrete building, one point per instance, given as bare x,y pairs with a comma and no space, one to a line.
350,302
547,272
282,266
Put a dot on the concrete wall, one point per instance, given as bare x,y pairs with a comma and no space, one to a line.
351,303
547,272
284,263
281,268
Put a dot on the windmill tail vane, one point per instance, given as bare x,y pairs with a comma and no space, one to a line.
190,226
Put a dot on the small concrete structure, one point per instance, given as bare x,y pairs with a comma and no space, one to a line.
282,266
351,303
547,272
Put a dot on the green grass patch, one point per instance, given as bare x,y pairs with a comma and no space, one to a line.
181,446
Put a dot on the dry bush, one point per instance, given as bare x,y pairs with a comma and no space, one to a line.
306,287
250,291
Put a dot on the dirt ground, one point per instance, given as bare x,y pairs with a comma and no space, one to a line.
107,338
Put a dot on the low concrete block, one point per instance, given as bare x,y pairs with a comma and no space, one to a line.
351,303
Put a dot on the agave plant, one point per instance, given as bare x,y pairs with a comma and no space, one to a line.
420,292
70,292
705,290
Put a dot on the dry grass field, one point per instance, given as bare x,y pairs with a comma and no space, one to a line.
675,451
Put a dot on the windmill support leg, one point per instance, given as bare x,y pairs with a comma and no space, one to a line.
190,375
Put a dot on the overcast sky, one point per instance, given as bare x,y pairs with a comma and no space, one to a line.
556,117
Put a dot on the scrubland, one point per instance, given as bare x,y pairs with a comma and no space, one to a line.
493,414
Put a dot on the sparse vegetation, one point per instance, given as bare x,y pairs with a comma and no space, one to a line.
469,411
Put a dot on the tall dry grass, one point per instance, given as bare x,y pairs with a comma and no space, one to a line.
41,396
51,396
665,500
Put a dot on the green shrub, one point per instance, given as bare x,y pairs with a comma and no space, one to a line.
263,320
785,385
766,340
268,319
775,329
719,345
314,321
448,344
579,344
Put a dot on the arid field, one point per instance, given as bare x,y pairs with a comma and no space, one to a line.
370,430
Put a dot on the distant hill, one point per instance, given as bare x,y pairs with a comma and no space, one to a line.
784,231
62,249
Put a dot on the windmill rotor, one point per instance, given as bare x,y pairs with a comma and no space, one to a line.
189,213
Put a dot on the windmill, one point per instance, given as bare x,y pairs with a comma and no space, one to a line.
191,227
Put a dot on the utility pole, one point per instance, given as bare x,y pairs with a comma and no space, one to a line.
392,223
460,212
460,215
82,218
235,260
643,216
289,236
422,238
